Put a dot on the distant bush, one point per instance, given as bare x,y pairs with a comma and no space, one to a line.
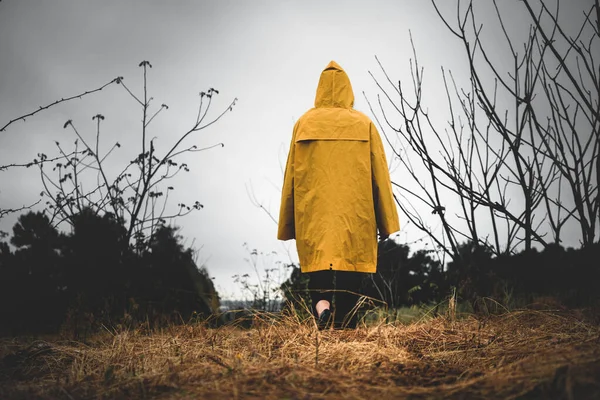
93,277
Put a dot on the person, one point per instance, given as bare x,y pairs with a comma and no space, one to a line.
336,195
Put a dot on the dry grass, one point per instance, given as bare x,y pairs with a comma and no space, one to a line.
523,354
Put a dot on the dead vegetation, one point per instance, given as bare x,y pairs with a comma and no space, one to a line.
521,354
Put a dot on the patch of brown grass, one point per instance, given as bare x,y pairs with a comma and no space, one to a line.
523,354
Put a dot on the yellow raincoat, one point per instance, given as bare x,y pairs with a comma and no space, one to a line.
336,190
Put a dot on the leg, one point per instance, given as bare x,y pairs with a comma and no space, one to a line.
347,285
320,286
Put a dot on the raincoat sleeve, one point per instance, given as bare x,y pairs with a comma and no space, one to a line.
286,229
383,198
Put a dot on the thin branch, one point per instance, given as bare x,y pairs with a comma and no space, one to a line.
62,100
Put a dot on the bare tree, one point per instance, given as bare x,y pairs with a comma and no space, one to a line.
136,194
516,142
41,158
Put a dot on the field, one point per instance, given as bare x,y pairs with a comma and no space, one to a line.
522,354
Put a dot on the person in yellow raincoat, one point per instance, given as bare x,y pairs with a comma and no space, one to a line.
336,195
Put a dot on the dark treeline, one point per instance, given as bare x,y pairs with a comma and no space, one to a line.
92,277
568,276
77,282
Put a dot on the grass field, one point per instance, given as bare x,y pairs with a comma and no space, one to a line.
521,354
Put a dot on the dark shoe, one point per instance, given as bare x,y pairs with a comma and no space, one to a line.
324,319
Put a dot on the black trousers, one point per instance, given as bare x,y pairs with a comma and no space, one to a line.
341,290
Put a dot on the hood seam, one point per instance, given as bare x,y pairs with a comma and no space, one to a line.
333,89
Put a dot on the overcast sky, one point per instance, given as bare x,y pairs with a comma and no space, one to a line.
268,54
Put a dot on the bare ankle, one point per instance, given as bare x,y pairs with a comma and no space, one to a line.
321,306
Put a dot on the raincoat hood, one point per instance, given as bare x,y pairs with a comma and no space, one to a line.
334,88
